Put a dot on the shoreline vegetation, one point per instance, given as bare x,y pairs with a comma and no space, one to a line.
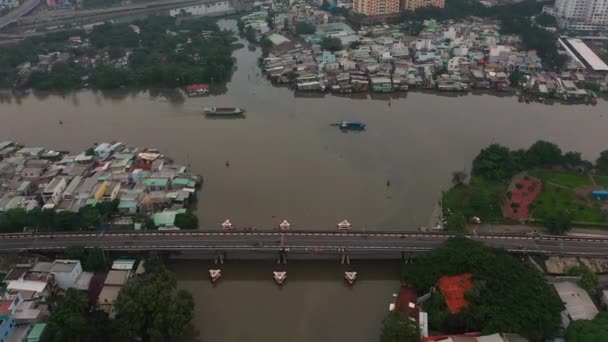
158,51
539,185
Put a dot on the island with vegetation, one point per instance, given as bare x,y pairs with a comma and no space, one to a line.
157,51
539,185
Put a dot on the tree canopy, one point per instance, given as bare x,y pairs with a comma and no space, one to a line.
152,309
186,221
594,330
397,327
507,295
332,44
495,162
305,28
589,280
558,221
72,321
602,161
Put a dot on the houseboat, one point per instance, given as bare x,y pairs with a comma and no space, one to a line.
224,111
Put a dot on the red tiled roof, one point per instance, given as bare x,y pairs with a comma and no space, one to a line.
5,306
194,87
453,289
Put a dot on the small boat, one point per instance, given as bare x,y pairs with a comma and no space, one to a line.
351,126
215,274
224,111
350,277
280,277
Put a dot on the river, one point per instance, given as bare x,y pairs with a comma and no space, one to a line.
286,161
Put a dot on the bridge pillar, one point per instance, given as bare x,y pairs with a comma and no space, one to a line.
282,257
345,258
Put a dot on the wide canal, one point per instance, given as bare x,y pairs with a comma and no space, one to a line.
286,161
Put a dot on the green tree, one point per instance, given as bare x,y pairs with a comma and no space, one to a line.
602,161
72,320
494,162
151,308
458,178
250,34
90,216
543,153
545,20
397,327
456,222
558,221
331,43
305,28
186,220
589,280
594,330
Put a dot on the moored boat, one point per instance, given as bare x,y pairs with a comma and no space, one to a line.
228,111
352,126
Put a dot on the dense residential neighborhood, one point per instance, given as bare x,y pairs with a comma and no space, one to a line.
122,186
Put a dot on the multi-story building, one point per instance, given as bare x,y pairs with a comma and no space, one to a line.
412,5
376,7
585,15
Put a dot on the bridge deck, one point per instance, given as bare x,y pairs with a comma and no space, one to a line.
305,241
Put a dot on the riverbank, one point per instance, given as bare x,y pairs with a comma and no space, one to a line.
539,185
152,52
109,185
443,57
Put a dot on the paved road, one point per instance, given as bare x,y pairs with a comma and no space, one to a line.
17,13
293,241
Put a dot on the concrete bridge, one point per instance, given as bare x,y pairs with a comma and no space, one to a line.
298,244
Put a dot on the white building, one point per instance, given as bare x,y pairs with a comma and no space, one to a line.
577,302
584,15
53,191
66,272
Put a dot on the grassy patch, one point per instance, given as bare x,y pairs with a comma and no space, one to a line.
571,180
555,198
601,180
480,198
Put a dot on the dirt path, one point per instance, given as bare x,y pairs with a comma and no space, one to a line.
592,179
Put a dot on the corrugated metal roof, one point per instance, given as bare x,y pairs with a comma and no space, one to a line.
588,55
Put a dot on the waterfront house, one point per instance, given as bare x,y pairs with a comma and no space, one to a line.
66,272
111,191
52,192
70,190
35,334
156,184
7,326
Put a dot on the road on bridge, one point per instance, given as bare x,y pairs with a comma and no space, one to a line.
290,241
